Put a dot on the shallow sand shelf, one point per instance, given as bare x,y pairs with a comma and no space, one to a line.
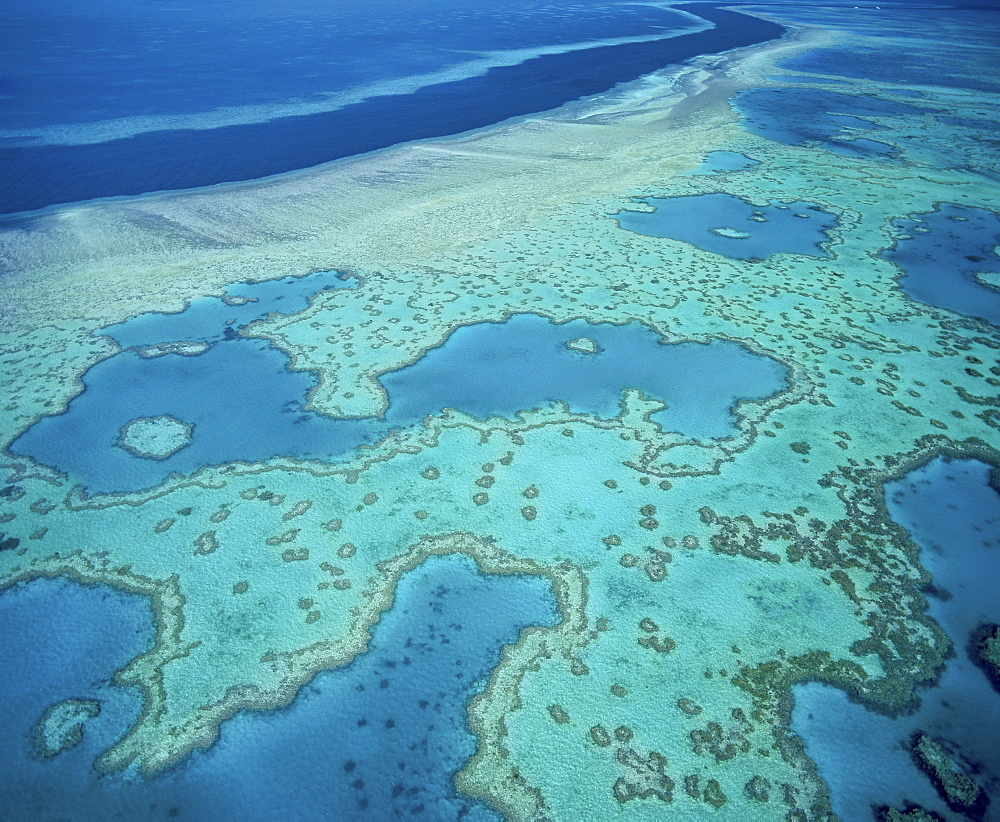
656,362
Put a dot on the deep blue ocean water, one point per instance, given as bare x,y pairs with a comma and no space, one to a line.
953,514
784,228
145,102
106,60
378,739
940,253
245,404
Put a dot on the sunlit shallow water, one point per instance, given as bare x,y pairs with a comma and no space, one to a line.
843,221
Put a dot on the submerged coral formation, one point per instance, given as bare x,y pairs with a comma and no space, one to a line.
911,814
958,788
984,649
155,437
61,726
698,576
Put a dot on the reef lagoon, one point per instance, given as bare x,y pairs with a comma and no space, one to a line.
518,411
241,402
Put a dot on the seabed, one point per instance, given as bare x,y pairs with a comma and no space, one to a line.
698,582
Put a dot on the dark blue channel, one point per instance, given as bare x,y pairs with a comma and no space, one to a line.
378,739
245,404
32,177
940,254
785,228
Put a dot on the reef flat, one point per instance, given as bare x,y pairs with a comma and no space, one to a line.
697,578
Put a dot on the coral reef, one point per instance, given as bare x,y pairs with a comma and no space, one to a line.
698,578
949,775
61,726
155,438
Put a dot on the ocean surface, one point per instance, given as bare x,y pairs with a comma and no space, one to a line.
435,74
660,342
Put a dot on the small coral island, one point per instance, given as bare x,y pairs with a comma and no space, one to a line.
583,345
155,438
61,726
